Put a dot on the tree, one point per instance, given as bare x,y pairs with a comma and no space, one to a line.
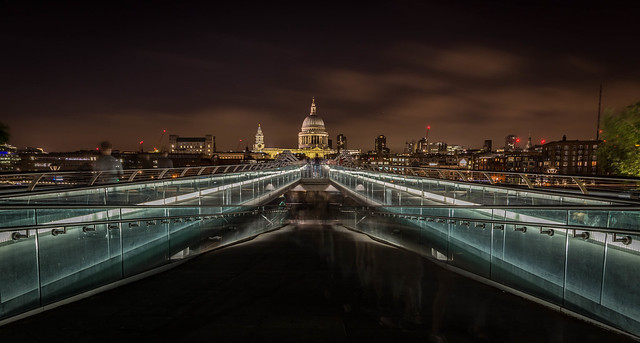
619,152
4,133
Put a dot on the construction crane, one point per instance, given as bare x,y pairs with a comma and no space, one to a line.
239,145
159,145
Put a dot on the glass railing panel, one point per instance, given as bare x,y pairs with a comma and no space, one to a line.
541,199
501,197
247,191
594,218
144,246
74,259
410,198
625,220
72,215
19,281
471,213
621,280
540,216
17,217
377,192
470,247
130,194
462,194
141,212
585,257
184,231
529,260
518,198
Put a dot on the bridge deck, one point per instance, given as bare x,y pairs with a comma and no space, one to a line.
305,283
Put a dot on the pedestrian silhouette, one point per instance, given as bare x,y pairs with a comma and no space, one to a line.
109,166
165,161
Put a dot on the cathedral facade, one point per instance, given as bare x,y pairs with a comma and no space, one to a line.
313,133
313,138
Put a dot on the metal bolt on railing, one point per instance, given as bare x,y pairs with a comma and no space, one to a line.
498,227
548,232
134,224
151,222
55,232
585,235
113,227
626,240
521,229
88,228
482,225
17,235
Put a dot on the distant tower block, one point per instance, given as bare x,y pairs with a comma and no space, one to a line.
259,144
341,142
488,145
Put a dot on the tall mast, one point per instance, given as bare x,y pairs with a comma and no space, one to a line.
599,108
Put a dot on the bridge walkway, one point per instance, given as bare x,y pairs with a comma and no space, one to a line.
307,282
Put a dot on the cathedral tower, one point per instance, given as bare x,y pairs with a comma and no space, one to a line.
259,144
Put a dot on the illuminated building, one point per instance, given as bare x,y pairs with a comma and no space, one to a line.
259,144
571,157
192,145
313,139
409,148
38,160
9,158
380,146
510,142
313,133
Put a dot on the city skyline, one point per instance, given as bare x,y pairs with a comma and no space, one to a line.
74,76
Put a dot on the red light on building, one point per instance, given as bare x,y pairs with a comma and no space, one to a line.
542,141
141,142
428,127
517,140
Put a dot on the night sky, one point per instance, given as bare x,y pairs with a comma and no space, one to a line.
74,74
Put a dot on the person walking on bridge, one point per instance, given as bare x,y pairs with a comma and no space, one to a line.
110,166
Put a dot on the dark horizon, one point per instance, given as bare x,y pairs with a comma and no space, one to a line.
76,74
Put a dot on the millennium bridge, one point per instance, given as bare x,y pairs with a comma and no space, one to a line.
317,252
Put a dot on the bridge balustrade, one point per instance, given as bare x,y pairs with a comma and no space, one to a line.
45,263
574,253
58,243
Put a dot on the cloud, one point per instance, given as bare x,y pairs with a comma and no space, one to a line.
465,61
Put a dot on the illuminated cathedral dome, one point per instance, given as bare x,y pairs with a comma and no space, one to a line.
313,123
313,133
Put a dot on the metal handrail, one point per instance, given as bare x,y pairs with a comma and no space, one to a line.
499,221
609,197
581,182
29,181
523,207
142,219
